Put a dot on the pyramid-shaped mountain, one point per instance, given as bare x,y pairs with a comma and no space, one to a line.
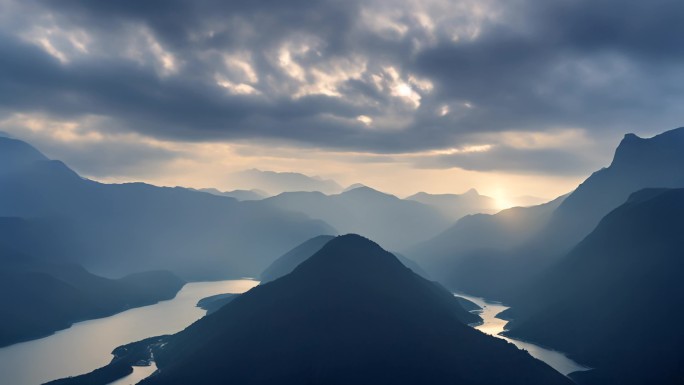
350,314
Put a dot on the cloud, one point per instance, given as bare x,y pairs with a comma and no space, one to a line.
89,151
375,77
514,160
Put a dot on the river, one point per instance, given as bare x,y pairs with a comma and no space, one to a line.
87,345
495,326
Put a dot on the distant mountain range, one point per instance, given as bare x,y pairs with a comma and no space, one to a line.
614,302
116,229
467,256
277,182
241,195
350,314
394,222
476,256
455,206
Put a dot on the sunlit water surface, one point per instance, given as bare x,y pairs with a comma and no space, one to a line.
139,373
494,326
87,345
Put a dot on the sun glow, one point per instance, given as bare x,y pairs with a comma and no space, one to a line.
501,200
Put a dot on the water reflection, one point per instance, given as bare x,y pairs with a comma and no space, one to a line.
88,345
494,326
139,373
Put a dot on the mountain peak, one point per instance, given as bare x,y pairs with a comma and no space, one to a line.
325,324
15,153
353,187
365,191
277,182
350,254
662,148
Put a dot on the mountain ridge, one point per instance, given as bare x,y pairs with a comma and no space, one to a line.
337,324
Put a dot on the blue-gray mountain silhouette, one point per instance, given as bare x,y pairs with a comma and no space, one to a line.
278,182
614,302
38,298
241,195
396,223
456,206
465,256
350,314
495,269
115,229
286,263
290,260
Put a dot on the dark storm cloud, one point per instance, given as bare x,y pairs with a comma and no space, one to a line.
508,159
152,67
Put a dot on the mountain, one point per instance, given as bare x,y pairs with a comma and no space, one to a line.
466,257
413,265
286,263
241,195
456,206
350,314
395,222
38,298
638,163
354,186
290,260
497,269
15,154
278,182
614,300
116,229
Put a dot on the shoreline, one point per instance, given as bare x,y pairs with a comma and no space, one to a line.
558,360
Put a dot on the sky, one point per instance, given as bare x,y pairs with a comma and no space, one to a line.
512,97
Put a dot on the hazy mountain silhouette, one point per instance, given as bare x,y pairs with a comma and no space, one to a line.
39,298
638,163
290,260
15,155
278,182
496,270
115,229
413,265
353,186
241,195
615,301
455,206
286,263
350,314
394,222
456,256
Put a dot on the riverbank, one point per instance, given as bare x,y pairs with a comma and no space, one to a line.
495,326
90,343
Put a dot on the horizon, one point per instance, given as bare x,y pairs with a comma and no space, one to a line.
429,96
234,181
326,192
